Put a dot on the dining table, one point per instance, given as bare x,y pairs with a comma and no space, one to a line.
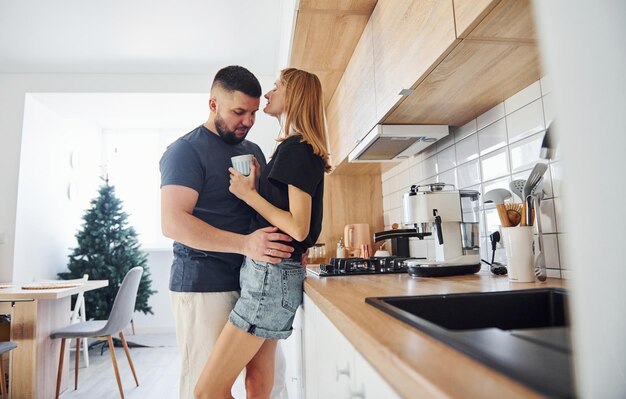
34,313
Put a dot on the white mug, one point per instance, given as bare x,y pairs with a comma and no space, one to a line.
518,243
243,163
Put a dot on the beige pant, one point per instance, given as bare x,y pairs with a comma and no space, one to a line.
200,317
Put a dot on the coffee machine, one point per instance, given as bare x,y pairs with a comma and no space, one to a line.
453,218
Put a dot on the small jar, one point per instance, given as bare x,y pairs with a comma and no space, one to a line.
321,250
341,253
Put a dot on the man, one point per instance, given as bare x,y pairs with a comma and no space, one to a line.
208,223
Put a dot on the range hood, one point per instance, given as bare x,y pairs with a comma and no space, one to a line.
393,143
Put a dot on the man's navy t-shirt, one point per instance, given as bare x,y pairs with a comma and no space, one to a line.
200,160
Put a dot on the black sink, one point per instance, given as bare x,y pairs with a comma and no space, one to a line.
522,333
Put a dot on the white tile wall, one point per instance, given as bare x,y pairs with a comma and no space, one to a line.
492,136
490,116
486,153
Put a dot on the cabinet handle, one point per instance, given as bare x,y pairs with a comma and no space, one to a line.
345,371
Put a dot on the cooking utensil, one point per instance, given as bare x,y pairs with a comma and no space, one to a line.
514,213
497,196
504,218
517,187
536,175
540,258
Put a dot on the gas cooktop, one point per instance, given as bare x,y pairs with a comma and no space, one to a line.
361,266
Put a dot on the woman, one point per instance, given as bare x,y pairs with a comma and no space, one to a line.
289,196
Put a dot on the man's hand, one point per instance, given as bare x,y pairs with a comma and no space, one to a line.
261,245
304,259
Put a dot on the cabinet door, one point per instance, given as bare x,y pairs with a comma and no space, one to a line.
335,356
468,13
351,112
309,351
292,351
409,37
328,356
367,383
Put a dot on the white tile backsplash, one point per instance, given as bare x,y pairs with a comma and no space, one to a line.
495,164
468,174
446,159
430,166
548,217
525,121
492,137
524,154
551,251
416,174
462,132
467,149
523,97
448,177
490,116
486,153
403,180
559,212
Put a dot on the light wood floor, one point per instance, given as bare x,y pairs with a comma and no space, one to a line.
157,369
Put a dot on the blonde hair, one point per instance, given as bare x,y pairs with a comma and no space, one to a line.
304,110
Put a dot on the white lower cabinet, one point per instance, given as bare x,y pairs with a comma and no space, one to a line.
332,366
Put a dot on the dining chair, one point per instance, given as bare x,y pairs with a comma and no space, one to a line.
4,347
79,315
120,316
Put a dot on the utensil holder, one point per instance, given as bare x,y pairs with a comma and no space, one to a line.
518,243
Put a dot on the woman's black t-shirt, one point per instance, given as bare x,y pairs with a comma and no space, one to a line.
294,163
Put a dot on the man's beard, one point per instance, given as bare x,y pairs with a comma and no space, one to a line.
228,136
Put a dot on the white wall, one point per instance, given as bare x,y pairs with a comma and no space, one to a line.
55,154
583,51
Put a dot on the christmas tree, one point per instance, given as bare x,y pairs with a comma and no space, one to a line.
107,249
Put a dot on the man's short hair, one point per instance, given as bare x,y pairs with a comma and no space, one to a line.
237,78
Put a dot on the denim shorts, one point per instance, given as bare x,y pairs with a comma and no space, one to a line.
270,296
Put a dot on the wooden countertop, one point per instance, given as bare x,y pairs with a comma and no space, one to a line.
16,292
412,362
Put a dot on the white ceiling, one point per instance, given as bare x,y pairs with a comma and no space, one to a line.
143,36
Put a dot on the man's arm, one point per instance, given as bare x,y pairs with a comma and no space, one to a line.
178,223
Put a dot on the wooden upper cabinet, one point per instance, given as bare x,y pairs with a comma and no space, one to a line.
468,13
316,49
510,20
498,58
410,37
351,112
471,80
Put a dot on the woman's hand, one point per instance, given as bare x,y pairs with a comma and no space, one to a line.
242,186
